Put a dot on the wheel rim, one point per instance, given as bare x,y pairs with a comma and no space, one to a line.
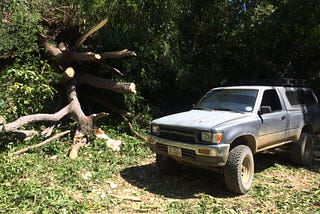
246,170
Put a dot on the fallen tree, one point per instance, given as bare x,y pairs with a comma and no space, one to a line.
63,58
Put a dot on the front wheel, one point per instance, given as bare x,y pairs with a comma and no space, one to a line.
239,170
302,151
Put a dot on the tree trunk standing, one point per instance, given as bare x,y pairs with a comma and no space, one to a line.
63,57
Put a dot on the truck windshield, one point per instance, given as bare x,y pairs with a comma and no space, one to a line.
238,100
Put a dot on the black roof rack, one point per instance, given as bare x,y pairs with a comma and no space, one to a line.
289,82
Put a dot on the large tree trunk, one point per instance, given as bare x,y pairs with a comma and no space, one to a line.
63,58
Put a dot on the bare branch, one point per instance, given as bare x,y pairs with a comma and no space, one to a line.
54,51
42,143
134,131
13,126
83,38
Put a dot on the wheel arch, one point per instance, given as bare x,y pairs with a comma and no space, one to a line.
247,140
307,128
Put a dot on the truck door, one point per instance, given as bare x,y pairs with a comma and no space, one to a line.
273,123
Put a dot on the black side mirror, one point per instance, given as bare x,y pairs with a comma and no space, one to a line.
265,110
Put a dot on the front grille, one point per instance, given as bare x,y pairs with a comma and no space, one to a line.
186,136
177,137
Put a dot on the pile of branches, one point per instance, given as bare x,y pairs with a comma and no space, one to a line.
64,56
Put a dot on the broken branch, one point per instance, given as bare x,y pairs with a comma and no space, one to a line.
99,82
83,38
13,126
117,54
42,143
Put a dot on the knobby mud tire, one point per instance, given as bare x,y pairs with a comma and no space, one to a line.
302,151
239,170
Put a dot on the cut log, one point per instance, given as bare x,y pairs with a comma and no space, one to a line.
114,145
118,54
84,56
99,82
67,75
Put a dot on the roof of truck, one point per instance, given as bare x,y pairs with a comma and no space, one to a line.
285,82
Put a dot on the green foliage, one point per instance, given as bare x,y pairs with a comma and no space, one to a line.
187,47
45,180
26,89
184,48
19,28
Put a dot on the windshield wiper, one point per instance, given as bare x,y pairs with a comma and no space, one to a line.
228,109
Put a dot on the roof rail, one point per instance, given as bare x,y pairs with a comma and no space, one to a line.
288,82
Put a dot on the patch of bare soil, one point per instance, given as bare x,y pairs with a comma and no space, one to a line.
142,188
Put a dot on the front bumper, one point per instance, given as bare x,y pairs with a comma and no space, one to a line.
202,155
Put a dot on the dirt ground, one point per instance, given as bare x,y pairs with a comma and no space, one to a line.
142,188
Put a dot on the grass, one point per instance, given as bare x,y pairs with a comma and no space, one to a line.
100,181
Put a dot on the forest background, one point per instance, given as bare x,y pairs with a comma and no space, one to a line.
184,48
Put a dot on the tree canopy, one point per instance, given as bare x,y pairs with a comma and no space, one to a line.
184,48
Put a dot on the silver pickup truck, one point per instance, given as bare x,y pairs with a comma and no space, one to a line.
229,124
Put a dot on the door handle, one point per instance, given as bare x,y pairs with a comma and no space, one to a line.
283,117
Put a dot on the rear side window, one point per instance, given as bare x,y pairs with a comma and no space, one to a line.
301,97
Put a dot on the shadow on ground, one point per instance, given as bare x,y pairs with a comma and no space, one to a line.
192,181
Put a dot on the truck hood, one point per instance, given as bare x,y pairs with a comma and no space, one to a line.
199,119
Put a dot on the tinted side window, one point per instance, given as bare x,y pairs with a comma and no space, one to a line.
301,97
270,98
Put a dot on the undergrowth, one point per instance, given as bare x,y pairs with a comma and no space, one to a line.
46,180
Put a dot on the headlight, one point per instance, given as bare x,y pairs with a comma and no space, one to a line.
212,137
207,136
154,129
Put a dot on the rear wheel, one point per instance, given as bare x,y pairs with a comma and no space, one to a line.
302,151
239,170
167,165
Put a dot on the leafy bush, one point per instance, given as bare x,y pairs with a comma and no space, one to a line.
19,28
26,89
